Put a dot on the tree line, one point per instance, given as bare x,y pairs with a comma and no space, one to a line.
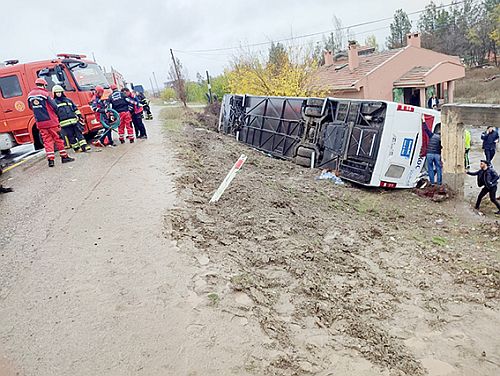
469,29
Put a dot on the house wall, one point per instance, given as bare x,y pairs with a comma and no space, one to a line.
348,94
379,84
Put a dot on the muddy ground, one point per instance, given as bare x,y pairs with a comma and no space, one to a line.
342,280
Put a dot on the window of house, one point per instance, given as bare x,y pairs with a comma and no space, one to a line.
10,87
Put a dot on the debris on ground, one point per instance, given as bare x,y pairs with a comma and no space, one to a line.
329,175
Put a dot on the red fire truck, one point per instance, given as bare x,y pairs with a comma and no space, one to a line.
77,76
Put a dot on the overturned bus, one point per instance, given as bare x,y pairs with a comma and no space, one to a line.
370,142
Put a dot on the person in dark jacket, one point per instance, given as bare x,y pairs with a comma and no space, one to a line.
490,141
136,111
487,178
44,109
120,103
70,119
433,102
433,155
99,106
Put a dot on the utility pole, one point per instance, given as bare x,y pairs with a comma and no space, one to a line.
156,82
152,88
179,83
93,57
209,89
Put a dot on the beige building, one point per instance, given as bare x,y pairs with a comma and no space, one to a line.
408,75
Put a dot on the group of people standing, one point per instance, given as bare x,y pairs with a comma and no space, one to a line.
487,177
58,118
130,110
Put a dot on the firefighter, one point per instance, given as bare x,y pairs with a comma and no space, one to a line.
145,104
70,119
137,114
99,106
120,103
44,108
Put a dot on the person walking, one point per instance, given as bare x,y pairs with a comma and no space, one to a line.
120,103
467,139
487,178
433,154
44,109
490,141
69,118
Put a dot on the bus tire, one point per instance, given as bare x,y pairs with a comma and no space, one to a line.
304,152
313,111
303,161
315,102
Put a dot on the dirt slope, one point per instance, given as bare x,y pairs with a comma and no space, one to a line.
342,280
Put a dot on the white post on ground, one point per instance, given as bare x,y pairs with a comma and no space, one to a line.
229,178
313,158
237,135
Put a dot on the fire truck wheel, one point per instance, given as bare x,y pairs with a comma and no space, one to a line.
303,161
37,139
304,152
315,102
313,111
5,152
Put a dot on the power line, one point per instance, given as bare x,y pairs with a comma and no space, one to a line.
315,33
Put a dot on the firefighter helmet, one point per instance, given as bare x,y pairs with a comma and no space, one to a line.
57,89
99,90
40,81
113,87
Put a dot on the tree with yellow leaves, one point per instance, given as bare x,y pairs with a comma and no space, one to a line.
285,72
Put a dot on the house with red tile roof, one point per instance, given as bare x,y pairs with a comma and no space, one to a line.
408,75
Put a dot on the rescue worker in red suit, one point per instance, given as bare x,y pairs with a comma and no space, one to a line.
120,103
44,108
99,106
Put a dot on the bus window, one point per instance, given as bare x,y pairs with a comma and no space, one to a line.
10,87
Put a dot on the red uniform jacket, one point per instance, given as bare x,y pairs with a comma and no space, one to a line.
44,108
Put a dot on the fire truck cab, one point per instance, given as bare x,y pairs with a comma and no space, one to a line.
77,76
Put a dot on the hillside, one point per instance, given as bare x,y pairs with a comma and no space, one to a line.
478,87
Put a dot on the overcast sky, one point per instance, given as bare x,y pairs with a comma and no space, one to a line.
135,36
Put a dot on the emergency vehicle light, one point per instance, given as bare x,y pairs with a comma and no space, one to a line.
72,56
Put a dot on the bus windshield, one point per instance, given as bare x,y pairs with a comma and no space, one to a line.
89,76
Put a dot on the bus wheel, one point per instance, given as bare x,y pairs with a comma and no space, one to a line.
37,139
303,161
304,152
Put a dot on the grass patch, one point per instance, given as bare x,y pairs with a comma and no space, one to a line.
213,298
173,117
439,240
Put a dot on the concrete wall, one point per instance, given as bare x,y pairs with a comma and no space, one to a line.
454,119
379,84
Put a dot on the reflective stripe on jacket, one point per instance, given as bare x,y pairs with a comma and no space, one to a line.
67,112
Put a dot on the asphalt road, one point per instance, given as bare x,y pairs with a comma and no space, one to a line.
90,281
